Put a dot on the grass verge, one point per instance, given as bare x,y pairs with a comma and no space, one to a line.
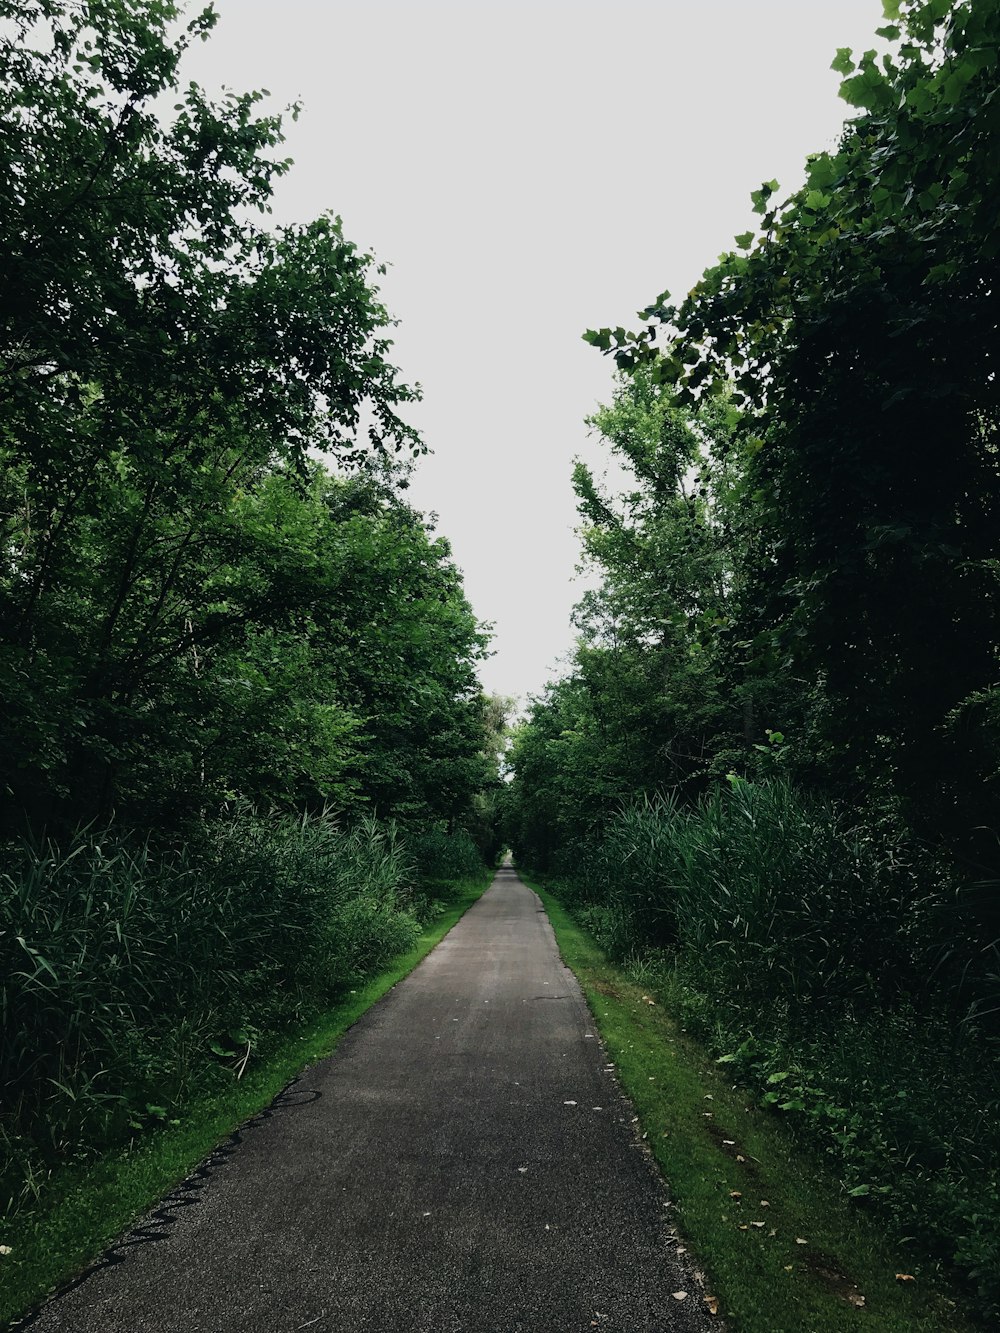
93,1205
783,1249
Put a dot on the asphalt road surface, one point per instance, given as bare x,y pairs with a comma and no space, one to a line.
463,1162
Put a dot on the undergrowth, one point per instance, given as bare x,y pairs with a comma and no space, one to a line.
810,952
132,979
90,1203
778,1244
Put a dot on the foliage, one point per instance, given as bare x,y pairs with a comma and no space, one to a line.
857,327
191,608
869,1093
443,856
91,1205
129,974
798,594
782,1241
772,898
805,950
674,681
214,600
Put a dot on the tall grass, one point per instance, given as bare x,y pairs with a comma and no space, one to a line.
774,894
445,856
128,977
828,962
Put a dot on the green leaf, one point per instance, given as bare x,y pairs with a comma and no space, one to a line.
891,8
744,240
599,338
843,61
955,83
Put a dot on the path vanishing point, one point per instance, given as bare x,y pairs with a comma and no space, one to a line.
464,1162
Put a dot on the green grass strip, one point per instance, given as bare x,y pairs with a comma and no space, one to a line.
783,1249
91,1206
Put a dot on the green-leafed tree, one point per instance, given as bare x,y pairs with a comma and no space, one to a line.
859,326
159,354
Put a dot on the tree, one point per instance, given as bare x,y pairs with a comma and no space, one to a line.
859,326
161,354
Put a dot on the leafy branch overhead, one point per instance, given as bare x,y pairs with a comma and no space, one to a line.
908,186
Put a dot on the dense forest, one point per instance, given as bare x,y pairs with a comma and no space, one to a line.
245,753
770,778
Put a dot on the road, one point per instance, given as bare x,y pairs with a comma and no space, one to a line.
464,1161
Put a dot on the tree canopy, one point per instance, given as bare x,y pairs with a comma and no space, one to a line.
857,330
192,608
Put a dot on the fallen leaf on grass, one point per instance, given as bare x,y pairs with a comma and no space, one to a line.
5,1250
740,1157
713,1304
800,1241
736,1194
858,1301
757,1224
680,1295
905,1277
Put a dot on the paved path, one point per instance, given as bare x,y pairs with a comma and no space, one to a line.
463,1163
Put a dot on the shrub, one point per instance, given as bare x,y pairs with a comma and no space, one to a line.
126,975
833,965
446,856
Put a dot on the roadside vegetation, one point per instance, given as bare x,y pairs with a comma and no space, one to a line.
90,1202
769,780
782,1246
133,981
247,762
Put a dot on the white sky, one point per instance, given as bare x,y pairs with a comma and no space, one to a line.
530,171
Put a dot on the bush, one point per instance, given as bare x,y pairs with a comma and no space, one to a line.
126,975
828,960
446,856
777,896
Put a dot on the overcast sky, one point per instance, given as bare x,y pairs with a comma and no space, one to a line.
530,171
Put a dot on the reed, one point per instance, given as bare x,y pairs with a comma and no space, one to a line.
129,977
